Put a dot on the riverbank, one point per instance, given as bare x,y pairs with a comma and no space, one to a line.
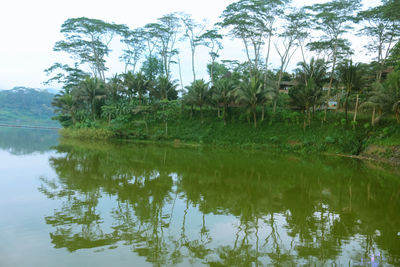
333,137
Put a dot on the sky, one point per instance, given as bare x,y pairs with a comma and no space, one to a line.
29,29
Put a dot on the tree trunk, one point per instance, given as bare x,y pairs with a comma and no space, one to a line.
224,114
263,112
166,129
373,117
346,105
275,103
355,114
255,118
201,114
331,79
194,72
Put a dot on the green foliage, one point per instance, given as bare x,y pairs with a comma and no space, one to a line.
26,106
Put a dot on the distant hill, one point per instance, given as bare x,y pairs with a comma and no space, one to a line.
26,106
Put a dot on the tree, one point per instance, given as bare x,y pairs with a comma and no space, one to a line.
135,46
136,84
251,21
351,76
248,94
193,32
333,19
90,91
306,94
114,88
66,75
66,107
165,33
87,40
198,94
212,40
222,93
165,89
383,33
292,37
152,67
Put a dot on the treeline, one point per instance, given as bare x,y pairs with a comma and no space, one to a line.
147,92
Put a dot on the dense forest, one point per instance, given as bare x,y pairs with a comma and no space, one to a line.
327,89
26,106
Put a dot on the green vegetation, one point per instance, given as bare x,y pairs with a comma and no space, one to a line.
22,105
245,103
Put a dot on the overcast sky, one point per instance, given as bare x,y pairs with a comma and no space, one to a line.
29,29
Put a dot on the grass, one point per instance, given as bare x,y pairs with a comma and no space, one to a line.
277,132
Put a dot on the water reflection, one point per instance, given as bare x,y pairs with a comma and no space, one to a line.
223,208
20,141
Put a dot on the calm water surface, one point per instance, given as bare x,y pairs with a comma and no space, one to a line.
69,203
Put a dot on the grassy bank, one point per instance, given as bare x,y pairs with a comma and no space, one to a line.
285,134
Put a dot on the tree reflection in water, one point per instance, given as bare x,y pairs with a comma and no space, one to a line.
223,208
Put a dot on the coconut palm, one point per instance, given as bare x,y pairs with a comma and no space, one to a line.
384,98
198,94
222,94
392,85
136,84
90,91
308,91
249,94
165,89
351,76
65,105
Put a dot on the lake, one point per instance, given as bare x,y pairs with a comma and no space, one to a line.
72,203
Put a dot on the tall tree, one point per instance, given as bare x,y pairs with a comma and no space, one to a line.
292,36
66,75
194,33
212,40
251,21
165,33
333,19
383,32
134,41
87,40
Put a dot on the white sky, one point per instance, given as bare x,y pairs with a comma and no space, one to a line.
30,28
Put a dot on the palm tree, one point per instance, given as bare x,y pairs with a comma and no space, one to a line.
165,89
65,104
90,90
352,79
114,87
308,91
248,94
198,94
222,94
392,85
136,84
385,98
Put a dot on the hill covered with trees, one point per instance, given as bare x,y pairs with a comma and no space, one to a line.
26,106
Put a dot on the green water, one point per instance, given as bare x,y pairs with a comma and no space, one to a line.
70,203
